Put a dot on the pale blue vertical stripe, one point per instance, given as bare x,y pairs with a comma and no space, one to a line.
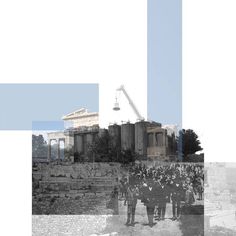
164,65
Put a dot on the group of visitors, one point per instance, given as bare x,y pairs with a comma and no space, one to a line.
156,186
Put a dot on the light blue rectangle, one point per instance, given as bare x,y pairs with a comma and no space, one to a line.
48,125
164,27
21,104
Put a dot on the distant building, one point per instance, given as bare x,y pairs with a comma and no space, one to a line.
81,127
171,129
160,146
147,139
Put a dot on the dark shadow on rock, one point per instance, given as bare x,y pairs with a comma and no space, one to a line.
193,210
192,220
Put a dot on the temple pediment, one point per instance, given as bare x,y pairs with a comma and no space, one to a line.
81,118
79,114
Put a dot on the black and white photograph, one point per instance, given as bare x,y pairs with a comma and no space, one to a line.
128,176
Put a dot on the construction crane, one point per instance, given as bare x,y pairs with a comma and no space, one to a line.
117,108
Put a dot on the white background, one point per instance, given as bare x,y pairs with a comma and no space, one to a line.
209,75
105,41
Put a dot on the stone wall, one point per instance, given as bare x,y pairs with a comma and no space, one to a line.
73,179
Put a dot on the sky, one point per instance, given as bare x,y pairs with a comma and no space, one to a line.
146,59
43,105
155,89
165,61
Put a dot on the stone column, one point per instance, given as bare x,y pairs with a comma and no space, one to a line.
49,150
58,149
154,143
164,138
59,141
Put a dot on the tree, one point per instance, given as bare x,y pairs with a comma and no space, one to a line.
39,146
188,143
102,150
128,156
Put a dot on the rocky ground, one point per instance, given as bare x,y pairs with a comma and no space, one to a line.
219,231
67,225
107,224
86,204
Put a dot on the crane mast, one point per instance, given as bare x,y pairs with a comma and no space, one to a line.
122,88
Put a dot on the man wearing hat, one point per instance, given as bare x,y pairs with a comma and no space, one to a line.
176,195
149,199
131,197
162,198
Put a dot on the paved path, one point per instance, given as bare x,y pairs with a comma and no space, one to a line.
117,223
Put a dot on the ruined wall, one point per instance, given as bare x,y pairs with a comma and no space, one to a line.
74,179
68,140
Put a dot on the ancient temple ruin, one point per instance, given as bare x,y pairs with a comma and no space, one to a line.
147,139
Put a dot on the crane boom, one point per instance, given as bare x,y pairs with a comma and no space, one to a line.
122,88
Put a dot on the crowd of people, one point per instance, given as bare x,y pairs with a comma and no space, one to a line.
178,184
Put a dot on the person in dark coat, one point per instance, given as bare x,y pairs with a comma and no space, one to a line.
176,196
162,198
149,199
168,187
189,196
122,188
114,199
131,198
125,186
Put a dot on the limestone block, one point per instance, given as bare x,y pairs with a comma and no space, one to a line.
89,194
81,195
37,176
64,187
74,175
68,174
72,191
61,195
114,234
76,186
